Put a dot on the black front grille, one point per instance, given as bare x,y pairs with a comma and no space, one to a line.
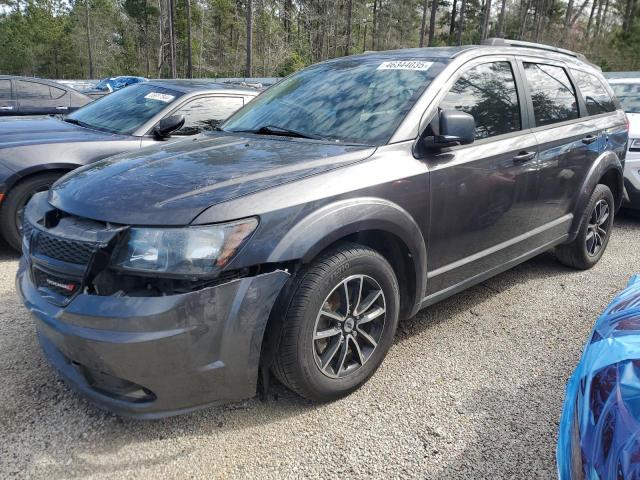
71,251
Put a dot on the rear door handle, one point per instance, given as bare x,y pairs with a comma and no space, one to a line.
62,108
5,107
523,157
589,139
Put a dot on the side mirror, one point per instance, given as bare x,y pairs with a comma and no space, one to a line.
168,125
456,128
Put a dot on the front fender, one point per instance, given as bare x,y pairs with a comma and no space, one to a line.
335,221
604,163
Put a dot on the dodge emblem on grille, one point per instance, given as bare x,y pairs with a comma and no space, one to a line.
69,287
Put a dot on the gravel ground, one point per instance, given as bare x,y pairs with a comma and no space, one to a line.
472,388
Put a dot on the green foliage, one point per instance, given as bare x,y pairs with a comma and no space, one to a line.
291,64
49,37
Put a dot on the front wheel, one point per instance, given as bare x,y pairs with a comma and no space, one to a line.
339,324
595,230
13,206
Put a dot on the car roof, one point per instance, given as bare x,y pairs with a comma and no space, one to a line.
189,86
449,53
35,79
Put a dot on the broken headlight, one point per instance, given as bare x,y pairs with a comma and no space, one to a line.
182,251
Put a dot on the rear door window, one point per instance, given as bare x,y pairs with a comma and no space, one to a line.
596,97
553,96
488,92
33,90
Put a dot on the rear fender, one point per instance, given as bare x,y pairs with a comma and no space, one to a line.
604,163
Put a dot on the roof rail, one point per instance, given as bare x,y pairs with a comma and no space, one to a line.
504,42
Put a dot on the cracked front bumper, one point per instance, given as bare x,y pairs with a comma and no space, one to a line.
148,357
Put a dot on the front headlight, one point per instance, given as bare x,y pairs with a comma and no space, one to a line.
634,143
182,251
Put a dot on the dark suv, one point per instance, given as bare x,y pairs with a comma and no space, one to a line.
344,198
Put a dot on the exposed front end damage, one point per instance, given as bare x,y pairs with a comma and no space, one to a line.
142,352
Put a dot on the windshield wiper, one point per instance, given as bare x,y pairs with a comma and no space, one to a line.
285,132
73,121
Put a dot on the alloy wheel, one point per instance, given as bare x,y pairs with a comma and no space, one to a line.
597,228
349,326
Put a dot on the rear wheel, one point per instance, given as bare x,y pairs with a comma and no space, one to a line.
339,324
13,206
595,229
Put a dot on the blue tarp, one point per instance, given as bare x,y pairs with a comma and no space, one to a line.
599,434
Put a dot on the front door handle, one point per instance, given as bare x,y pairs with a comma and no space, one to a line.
62,108
6,107
589,139
523,157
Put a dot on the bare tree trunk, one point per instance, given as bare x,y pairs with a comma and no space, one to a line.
160,39
172,42
88,29
485,21
432,22
501,19
629,14
374,30
189,51
593,9
452,23
463,5
578,13
347,47
605,14
524,15
423,24
567,17
288,10
248,69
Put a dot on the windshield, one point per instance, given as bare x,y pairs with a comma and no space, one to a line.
126,110
351,100
629,95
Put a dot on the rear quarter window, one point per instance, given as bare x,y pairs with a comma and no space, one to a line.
596,97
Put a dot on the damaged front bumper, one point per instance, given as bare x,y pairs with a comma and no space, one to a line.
148,357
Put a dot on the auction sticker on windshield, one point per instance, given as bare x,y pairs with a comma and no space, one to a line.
405,65
162,97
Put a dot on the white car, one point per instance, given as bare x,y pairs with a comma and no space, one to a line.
628,92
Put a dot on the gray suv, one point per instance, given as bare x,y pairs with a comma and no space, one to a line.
295,237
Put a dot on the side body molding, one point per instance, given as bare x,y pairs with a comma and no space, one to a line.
604,163
334,221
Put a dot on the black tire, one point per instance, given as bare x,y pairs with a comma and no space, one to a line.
15,202
578,254
295,363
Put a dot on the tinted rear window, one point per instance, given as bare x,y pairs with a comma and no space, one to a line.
554,99
594,93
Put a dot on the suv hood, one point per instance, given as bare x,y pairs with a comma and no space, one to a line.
16,132
172,183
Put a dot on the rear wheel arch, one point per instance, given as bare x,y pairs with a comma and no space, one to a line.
607,169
